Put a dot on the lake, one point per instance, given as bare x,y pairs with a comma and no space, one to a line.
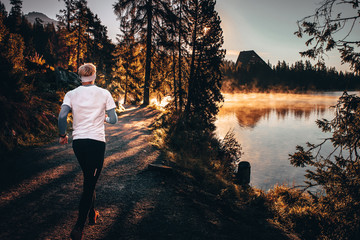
270,126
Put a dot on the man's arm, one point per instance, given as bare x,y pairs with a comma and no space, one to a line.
112,117
62,123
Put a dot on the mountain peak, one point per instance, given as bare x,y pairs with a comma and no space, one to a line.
31,17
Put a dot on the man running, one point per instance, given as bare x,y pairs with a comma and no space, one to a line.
88,104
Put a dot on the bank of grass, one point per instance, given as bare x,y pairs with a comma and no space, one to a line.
29,103
314,216
297,211
29,123
207,163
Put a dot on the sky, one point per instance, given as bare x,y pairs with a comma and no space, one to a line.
265,26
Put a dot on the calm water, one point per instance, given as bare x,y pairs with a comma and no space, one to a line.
269,126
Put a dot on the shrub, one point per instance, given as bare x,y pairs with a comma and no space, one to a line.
295,210
337,174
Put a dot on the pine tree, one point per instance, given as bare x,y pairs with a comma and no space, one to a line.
81,26
15,16
85,38
129,59
74,17
3,16
66,31
205,77
182,34
99,48
173,40
146,16
51,45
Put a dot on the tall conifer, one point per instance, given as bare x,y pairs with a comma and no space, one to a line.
146,13
205,77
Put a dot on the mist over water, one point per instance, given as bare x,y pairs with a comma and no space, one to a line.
270,125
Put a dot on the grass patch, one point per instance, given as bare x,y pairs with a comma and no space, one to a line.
208,163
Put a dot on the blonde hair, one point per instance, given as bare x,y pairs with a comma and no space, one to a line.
87,69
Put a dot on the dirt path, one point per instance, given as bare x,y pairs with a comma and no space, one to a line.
40,190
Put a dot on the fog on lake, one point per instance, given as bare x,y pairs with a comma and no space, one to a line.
269,126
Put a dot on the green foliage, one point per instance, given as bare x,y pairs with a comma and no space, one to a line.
29,111
144,13
30,91
297,211
83,38
205,163
229,154
14,20
333,25
29,97
190,133
196,150
13,50
166,45
129,74
205,80
336,173
30,53
26,123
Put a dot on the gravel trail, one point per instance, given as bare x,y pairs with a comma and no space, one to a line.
40,189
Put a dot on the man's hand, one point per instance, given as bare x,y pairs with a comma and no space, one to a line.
64,140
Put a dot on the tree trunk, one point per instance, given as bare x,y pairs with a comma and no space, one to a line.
68,28
180,83
78,47
146,100
192,65
175,88
126,86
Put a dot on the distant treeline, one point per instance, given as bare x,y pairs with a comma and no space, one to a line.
301,76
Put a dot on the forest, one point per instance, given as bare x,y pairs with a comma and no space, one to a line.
163,48
302,76
174,48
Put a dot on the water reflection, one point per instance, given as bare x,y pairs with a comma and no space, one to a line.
251,108
269,126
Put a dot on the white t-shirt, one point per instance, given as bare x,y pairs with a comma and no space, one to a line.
88,105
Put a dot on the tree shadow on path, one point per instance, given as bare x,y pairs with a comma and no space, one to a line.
41,188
